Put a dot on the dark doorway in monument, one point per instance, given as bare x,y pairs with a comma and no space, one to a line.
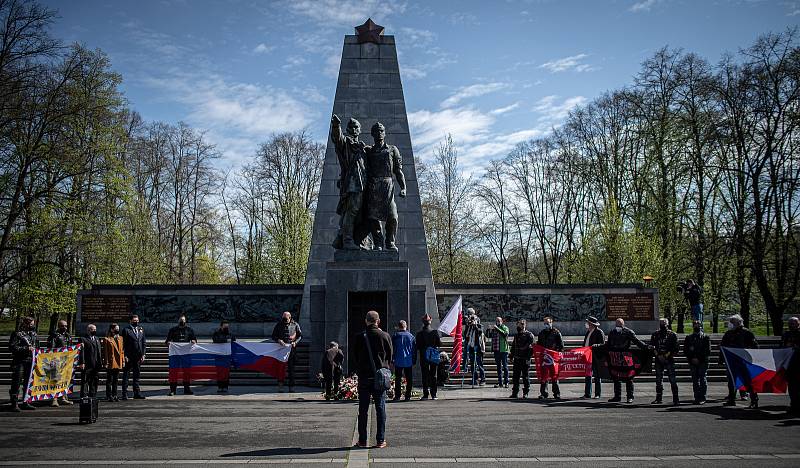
358,304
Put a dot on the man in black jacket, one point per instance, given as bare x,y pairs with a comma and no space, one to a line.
91,362
521,352
287,332
697,348
428,338
220,336
380,349
182,333
665,342
738,336
620,339
21,344
550,338
60,338
594,336
791,339
134,345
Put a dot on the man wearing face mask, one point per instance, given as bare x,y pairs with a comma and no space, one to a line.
134,351
594,336
521,352
287,332
738,336
182,333
697,348
21,344
223,335
113,360
791,339
500,349
550,338
620,339
59,339
91,361
665,342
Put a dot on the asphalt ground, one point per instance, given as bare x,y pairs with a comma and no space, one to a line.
469,427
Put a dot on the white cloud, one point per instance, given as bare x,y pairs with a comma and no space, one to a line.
413,73
332,65
644,5
568,63
294,61
465,124
263,49
503,110
335,13
472,91
553,112
417,37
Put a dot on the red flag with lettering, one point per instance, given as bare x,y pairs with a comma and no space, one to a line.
559,365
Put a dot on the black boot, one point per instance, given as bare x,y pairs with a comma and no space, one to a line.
14,407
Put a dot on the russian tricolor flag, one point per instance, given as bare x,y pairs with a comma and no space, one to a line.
267,357
764,369
199,361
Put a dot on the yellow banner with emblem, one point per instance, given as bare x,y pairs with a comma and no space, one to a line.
51,372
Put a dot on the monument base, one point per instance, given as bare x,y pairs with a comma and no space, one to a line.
353,288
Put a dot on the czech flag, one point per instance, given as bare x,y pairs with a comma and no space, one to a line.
763,369
451,325
199,361
267,357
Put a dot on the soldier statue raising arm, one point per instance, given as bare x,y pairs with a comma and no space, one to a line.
350,153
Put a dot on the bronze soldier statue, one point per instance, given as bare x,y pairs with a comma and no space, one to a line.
350,153
382,161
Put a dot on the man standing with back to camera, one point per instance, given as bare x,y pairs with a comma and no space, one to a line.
376,344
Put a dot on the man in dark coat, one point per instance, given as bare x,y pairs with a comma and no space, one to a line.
697,348
594,336
380,344
91,361
182,333
331,365
791,339
428,338
738,336
135,350
665,342
521,352
21,344
620,339
60,338
550,337
288,333
220,336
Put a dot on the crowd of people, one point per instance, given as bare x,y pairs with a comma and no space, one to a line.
122,351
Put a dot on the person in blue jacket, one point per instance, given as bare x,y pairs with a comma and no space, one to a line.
404,359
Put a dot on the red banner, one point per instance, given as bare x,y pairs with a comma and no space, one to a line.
559,365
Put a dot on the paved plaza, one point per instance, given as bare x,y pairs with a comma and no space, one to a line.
257,426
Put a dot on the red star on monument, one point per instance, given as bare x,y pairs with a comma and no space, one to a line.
369,32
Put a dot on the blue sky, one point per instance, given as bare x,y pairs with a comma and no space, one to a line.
492,73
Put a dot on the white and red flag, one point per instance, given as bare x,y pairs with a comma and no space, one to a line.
451,326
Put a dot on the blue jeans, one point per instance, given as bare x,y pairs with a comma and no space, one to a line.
699,383
364,393
501,361
587,391
476,364
697,312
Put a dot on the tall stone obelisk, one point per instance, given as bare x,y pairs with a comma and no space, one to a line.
368,89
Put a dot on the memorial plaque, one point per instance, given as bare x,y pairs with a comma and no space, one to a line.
105,308
630,306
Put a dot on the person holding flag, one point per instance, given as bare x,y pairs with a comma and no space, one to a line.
428,342
791,339
739,337
521,352
550,338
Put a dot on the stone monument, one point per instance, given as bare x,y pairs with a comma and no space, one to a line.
368,247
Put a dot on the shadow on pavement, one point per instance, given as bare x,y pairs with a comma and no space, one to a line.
764,413
285,451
